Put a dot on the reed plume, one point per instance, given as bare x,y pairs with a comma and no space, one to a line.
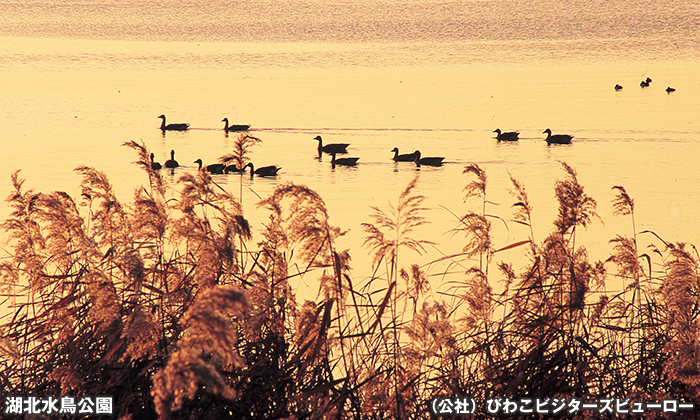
24,237
476,226
680,289
385,237
576,208
240,156
523,214
155,179
207,346
390,231
241,151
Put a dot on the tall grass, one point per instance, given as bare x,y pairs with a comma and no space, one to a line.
167,304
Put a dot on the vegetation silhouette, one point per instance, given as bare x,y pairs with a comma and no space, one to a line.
166,304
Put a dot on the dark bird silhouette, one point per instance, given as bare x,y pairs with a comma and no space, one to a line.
330,148
428,161
233,168
670,89
171,163
264,171
508,136
172,127
234,127
154,165
410,157
557,138
645,83
351,161
214,168
618,87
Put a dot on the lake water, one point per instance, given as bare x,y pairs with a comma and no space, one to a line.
81,78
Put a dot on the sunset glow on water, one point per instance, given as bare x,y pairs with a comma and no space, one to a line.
80,79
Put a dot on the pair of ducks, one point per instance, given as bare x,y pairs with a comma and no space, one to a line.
170,163
335,149
184,126
645,83
220,168
217,168
551,138
416,157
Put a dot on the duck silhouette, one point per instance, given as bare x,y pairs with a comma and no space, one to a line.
214,168
410,157
507,136
331,148
263,171
670,89
233,168
154,165
557,138
618,87
171,163
645,83
428,161
234,127
172,127
350,161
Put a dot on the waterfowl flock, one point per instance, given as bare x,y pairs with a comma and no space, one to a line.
185,126
332,149
222,169
645,84
335,149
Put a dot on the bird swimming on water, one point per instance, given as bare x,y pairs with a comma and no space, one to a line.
670,89
171,163
645,83
172,127
154,165
331,148
263,171
234,127
233,168
351,161
507,136
214,168
428,161
618,87
409,157
557,138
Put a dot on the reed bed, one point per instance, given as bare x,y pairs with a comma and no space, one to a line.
168,305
